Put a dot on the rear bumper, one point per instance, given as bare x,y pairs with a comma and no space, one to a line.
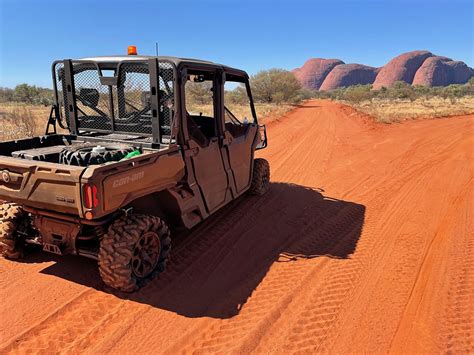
64,234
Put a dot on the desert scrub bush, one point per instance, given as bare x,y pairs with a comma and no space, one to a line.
28,94
403,101
358,93
399,91
389,110
276,86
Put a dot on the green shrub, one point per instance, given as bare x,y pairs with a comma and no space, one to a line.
275,86
237,96
399,91
28,94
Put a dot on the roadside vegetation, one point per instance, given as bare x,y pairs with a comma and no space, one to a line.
403,101
27,94
24,111
20,120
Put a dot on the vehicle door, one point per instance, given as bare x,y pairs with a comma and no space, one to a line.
202,90
240,128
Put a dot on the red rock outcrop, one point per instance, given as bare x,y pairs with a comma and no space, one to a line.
433,72
441,71
312,74
401,68
347,75
461,73
416,67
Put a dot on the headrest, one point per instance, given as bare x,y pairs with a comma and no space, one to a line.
89,97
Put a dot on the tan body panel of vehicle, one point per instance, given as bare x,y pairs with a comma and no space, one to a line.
41,185
241,151
211,174
121,183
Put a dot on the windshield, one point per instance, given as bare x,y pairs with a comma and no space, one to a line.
118,99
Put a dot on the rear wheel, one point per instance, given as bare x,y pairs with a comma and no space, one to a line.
261,177
135,249
15,228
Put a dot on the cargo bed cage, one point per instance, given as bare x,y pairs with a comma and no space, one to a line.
124,100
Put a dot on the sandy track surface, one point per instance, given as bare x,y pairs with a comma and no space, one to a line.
364,243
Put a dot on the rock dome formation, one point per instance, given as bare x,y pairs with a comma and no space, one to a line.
349,74
401,68
442,71
416,67
312,74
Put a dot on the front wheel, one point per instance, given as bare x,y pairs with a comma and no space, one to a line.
261,177
135,249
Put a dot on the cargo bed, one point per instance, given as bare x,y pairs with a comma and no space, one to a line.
31,175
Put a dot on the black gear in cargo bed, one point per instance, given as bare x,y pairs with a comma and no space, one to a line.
48,154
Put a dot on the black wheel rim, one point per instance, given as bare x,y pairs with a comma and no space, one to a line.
146,254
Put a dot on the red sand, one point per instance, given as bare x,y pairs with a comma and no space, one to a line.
364,243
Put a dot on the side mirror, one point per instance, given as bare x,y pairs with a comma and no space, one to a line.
263,141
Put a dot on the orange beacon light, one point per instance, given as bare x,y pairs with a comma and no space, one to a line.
132,50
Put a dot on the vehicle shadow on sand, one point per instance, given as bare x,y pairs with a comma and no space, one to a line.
216,266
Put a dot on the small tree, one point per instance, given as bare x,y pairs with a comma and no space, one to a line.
199,92
358,93
25,93
6,94
402,90
237,96
275,86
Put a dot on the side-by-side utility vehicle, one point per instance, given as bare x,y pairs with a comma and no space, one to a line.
135,146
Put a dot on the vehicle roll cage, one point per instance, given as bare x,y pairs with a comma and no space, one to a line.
68,119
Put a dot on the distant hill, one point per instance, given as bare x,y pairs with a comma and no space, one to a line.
416,68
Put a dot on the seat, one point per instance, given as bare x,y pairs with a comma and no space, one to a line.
195,132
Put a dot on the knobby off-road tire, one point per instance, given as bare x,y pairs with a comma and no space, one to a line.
82,154
261,177
12,219
122,248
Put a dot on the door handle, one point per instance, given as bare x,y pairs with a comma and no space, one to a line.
192,152
227,141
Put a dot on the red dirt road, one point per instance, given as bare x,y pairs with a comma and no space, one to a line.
364,243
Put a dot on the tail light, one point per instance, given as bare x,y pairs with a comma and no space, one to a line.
90,196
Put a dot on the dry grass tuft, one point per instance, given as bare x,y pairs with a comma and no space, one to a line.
396,110
271,112
20,120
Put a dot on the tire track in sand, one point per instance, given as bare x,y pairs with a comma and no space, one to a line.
317,314
317,324
275,292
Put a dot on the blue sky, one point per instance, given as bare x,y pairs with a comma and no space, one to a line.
251,35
